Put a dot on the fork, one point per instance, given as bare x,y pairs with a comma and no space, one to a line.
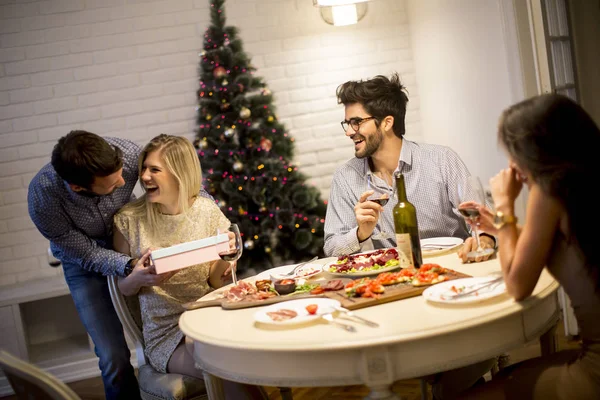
477,287
297,267
329,318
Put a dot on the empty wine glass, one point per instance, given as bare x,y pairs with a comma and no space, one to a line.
235,248
471,191
381,195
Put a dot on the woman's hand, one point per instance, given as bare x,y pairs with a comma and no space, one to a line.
485,221
220,273
505,188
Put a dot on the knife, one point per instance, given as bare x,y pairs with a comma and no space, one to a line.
351,314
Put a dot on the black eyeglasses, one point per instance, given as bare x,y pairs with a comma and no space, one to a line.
354,123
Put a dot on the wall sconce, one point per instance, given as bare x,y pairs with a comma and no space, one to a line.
341,12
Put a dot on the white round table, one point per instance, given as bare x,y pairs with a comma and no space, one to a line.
415,338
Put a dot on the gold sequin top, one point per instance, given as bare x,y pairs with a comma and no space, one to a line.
161,305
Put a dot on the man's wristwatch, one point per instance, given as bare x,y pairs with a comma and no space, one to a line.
129,267
501,219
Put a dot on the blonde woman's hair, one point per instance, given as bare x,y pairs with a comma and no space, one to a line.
181,160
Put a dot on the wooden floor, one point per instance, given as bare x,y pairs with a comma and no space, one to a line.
91,389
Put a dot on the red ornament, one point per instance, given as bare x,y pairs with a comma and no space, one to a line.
219,72
266,144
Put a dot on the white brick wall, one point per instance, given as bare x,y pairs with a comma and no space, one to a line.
128,68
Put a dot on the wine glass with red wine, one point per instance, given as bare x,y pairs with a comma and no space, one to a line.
381,195
471,191
235,248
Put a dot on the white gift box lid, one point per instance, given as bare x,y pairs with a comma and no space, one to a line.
189,246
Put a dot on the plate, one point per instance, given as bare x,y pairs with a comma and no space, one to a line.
356,274
325,306
442,292
446,244
305,272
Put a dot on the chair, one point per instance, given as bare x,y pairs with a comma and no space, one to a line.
30,382
154,385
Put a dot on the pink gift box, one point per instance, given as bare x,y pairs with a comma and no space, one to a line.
190,253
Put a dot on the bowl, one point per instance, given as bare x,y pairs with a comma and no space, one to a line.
285,286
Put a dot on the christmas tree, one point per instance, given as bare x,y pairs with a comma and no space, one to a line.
246,156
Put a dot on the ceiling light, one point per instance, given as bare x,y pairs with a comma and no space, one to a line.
341,12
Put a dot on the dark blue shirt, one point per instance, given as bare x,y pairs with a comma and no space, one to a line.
79,227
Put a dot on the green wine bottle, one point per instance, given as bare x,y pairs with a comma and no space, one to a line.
407,228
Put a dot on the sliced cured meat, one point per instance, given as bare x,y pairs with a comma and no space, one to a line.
334,284
240,291
282,314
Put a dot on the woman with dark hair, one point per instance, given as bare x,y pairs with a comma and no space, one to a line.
551,144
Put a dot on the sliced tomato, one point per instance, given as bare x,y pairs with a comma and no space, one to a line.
312,309
317,290
286,281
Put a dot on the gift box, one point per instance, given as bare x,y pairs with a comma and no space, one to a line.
190,253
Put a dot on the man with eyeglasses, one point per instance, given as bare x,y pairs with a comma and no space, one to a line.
374,121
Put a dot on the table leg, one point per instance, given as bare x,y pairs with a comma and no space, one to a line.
214,386
548,343
381,392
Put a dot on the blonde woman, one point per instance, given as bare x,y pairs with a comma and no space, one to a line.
170,212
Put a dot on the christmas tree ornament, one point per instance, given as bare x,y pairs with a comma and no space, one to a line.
208,117
270,118
225,106
202,53
249,244
229,132
222,203
265,92
238,166
245,113
225,82
266,144
263,209
219,72
267,250
203,144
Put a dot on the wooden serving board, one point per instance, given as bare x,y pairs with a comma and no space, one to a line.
236,305
395,292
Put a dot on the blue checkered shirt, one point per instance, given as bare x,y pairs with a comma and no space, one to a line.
431,175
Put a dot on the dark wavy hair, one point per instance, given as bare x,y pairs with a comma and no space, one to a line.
380,97
80,156
554,139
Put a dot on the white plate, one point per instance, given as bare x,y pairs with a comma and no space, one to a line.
446,244
442,292
356,274
311,269
325,306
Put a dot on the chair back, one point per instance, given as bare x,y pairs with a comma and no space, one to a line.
31,382
153,385
128,311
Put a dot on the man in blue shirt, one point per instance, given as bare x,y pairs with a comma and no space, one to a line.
72,202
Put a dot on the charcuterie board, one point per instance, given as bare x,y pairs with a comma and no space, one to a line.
220,299
394,292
